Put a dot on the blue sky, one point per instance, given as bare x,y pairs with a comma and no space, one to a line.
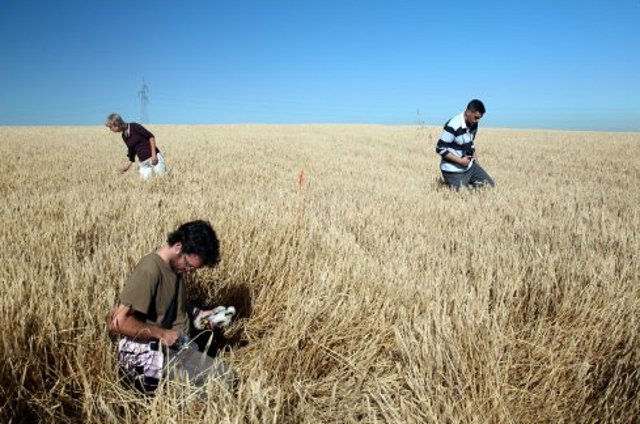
546,64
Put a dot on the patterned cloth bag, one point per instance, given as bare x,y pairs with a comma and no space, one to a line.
141,363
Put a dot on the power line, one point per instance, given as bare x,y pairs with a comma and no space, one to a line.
143,95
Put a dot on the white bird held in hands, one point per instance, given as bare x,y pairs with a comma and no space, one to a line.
220,317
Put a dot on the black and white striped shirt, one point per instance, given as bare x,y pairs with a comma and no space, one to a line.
456,139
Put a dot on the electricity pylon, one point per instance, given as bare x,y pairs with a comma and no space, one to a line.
143,95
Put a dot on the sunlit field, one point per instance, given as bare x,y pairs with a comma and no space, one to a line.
366,291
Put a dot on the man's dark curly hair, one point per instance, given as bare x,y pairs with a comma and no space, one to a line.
197,237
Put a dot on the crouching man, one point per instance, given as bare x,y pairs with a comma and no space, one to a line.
155,320
459,162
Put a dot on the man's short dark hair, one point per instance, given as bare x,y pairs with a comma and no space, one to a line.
199,238
476,105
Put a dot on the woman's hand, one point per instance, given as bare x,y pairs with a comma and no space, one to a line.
124,168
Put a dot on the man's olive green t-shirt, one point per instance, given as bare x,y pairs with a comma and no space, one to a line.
151,290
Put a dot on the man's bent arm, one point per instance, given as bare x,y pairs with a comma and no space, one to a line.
122,321
464,161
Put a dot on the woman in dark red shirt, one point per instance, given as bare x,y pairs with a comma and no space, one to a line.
140,142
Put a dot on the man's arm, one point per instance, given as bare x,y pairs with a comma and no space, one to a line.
123,321
464,161
154,152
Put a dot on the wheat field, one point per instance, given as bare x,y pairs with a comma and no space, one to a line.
366,291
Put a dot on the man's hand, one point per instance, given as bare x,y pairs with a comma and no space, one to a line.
169,336
465,160
154,160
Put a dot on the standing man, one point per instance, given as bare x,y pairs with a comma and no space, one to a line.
153,316
459,165
141,143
